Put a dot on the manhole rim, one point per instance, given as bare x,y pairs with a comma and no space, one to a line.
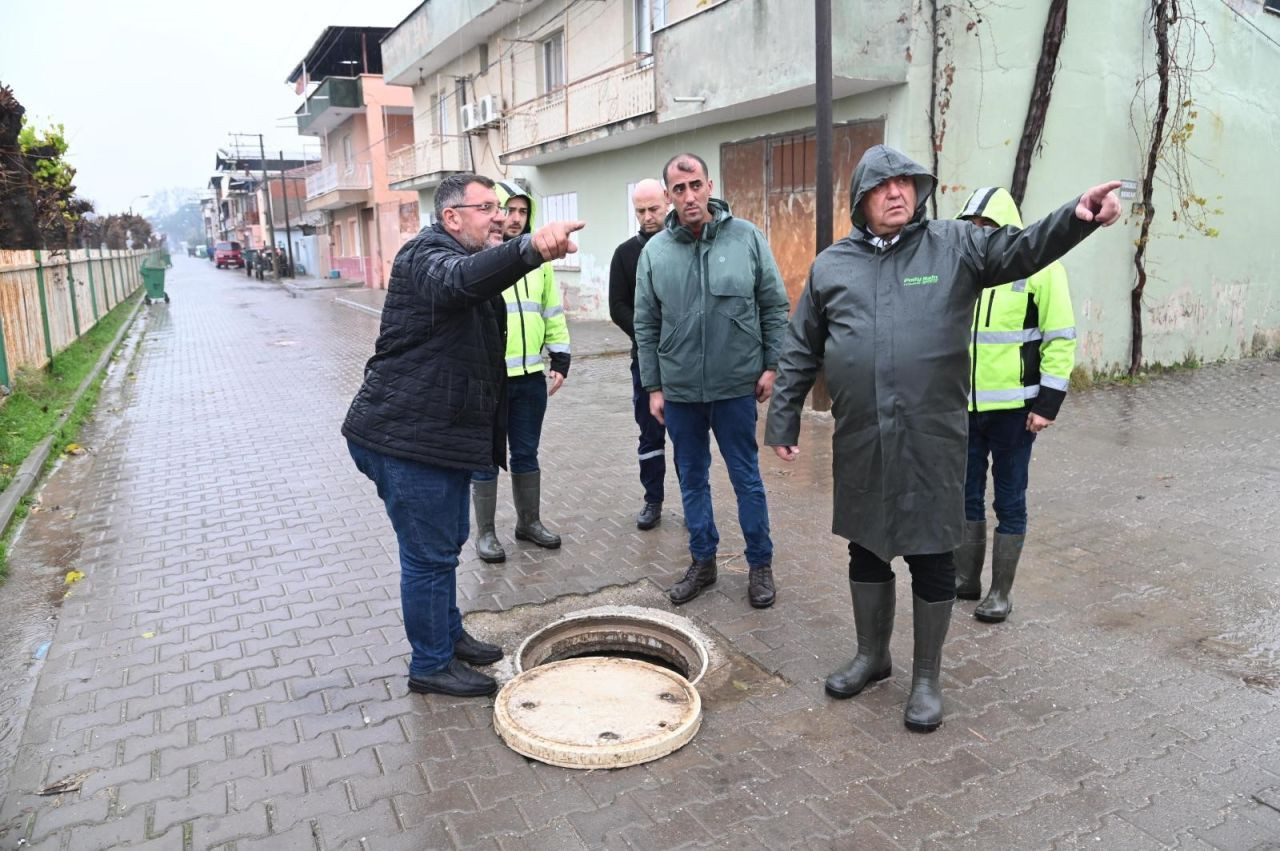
659,620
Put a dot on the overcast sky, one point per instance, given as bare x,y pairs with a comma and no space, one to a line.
149,90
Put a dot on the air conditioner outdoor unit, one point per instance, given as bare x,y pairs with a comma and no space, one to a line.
470,117
489,110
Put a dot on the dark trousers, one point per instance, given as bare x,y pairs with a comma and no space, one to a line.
427,506
653,441
526,409
933,575
733,421
1003,436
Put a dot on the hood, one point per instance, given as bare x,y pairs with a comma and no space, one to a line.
507,190
995,203
720,213
877,165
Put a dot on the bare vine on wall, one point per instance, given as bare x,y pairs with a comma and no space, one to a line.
1164,126
946,18
1055,30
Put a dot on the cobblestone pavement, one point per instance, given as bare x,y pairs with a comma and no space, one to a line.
232,671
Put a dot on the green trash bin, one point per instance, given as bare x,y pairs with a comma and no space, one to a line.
153,279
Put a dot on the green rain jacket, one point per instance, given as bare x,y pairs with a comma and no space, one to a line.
890,324
710,312
535,317
1023,344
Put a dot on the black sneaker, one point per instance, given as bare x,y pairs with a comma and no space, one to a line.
650,516
473,651
760,587
455,679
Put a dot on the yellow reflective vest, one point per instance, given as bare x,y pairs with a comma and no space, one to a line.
535,316
1023,345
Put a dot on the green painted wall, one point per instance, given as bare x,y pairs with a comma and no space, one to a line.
1207,297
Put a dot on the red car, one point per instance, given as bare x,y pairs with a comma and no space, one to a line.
227,254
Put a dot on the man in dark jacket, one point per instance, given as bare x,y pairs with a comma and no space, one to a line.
650,203
430,409
887,312
710,314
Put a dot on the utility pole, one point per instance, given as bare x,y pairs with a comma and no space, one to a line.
826,200
821,397
288,228
262,152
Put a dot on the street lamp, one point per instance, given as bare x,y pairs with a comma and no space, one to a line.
136,198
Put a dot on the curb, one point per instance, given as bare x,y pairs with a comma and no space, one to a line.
29,471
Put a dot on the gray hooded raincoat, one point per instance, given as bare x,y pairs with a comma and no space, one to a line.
890,324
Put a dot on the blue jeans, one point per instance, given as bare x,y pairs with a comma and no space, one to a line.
653,441
526,409
733,421
428,510
1004,436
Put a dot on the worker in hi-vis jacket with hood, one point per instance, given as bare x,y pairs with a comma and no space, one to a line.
1021,353
535,324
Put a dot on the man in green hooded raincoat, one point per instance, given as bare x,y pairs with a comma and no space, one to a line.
886,312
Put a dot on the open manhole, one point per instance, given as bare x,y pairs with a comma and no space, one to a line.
604,689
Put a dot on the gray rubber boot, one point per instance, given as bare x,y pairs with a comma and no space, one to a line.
526,488
1005,552
484,496
924,704
969,557
873,604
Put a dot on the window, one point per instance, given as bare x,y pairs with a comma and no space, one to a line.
440,114
553,63
561,208
484,57
348,162
1272,6
647,16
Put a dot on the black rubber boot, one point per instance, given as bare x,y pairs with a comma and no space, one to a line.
526,488
969,556
700,575
873,604
924,704
484,496
1005,552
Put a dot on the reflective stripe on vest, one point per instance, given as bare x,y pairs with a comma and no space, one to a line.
525,361
1017,394
1060,334
1054,382
517,306
1026,335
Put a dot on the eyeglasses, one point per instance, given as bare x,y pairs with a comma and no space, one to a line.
486,208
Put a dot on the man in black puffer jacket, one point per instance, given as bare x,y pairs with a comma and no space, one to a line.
430,408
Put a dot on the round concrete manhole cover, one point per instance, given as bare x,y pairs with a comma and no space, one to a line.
597,712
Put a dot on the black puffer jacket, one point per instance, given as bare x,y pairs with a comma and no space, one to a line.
434,390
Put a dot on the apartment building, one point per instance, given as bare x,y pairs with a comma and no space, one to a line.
581,98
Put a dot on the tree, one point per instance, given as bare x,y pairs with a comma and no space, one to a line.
39,206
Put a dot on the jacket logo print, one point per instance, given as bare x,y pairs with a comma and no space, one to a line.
917,280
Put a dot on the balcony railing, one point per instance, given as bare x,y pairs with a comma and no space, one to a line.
606,97
335,176
436,155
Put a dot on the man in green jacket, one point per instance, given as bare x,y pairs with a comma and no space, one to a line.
535,323
1021,354
887,313
710,311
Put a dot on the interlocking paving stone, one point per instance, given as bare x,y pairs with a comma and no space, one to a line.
231,671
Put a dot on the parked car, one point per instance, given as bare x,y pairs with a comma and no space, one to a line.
227,254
